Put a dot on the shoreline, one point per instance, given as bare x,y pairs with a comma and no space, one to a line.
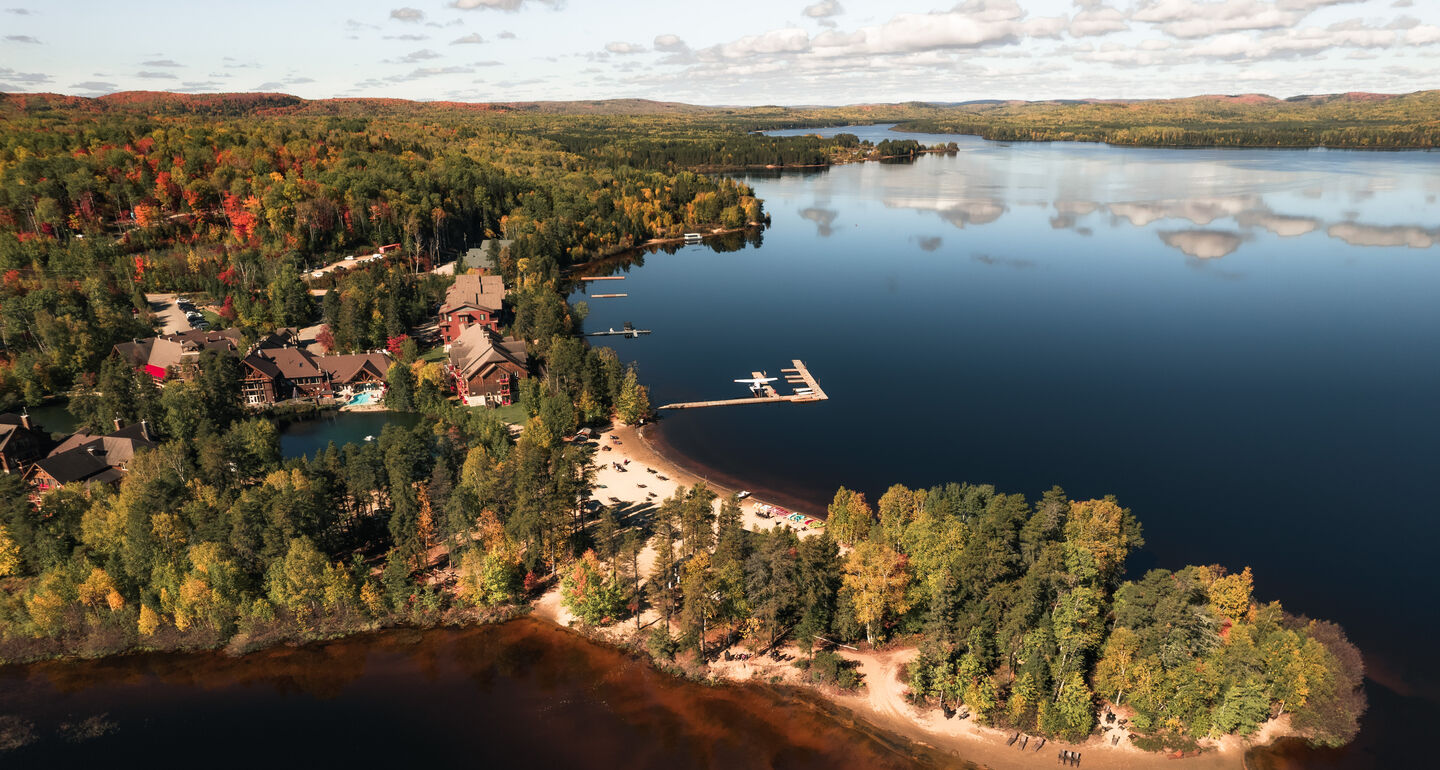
882,703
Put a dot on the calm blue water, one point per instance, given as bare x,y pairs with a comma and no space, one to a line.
1243,345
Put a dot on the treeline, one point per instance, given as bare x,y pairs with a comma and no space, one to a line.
1351,121
692,144
1020,611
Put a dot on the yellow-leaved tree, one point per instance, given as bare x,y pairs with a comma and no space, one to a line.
876,578
9,553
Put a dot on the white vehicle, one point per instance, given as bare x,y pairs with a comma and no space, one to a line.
350,258
318,274
742,494
757,384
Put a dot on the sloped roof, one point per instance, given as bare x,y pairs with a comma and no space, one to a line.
172,350
482,292
480,256
72,466
478,348
291,363
262,365
85,456
347,367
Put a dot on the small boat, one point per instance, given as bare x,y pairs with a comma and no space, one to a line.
369,438
742,494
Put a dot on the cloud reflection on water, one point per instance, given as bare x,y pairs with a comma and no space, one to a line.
1203,244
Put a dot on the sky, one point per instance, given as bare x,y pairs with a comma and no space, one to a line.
736,52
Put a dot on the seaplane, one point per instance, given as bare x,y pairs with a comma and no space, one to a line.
757,384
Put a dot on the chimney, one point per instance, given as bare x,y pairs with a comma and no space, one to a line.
119,424
25,418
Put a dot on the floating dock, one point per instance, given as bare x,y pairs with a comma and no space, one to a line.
627,331
602,277
607,296
807,390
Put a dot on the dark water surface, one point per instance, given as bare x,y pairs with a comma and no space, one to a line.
310,437
521,694
1243,345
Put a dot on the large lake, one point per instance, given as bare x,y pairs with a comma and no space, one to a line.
1242,345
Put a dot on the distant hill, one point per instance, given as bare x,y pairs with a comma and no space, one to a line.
1354,119
240,104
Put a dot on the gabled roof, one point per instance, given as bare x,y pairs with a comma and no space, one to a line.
72,466
263,365
482,292
159,354
347,368
477,349
291,363
86,457
19,442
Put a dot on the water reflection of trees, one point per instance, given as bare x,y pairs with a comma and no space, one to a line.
624,262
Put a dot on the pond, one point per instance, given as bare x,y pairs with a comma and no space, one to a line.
310,437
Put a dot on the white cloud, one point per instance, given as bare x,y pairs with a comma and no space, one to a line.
670,44
501,5
1425,34
1097,19
148,75
823,9
773,42
621,47
408,15
471,39
423,54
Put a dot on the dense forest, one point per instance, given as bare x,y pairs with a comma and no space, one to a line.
1020,610
1343,120
98,206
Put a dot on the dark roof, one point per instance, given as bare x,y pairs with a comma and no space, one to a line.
292,363
345,368
479,257
74,465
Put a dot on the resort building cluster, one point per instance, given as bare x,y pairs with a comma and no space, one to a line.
483,367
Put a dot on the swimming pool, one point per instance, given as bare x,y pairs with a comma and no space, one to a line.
361,399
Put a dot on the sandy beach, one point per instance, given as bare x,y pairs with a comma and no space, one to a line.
649,477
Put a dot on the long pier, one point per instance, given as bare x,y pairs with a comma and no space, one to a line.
807,389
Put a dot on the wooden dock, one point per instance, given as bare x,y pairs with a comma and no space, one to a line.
607,296
602,277
807,389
